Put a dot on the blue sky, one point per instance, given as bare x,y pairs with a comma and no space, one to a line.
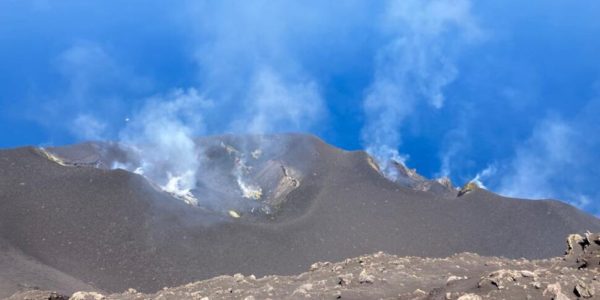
505,90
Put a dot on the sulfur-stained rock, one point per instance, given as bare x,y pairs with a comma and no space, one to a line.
575,245
469,187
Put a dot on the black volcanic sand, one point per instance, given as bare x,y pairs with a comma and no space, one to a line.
21,273
113,230
464,276
383,276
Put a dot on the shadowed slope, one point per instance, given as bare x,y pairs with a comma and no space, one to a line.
19,272
105,226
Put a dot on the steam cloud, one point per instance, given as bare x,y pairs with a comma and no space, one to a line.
413,67
160,137
553,161
275,105
483,175
246,59
549,150
276,95
263,64
88,127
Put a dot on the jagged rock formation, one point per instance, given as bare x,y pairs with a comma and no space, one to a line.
464,276
468,187
233,170
584,251
410,178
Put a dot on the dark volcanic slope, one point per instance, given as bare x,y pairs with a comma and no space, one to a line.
464,276
114,230
19,272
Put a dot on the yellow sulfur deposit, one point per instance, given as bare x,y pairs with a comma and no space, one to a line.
52,157
470,186
373,164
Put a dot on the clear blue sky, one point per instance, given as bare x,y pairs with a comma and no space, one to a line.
509,90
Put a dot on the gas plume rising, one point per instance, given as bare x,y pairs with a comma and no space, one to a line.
413,68
160,141
240,170
275,104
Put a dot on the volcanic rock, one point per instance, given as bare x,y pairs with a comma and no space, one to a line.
83,225
383,276
584,251
469,187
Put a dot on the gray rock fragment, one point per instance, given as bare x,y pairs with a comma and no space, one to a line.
583,290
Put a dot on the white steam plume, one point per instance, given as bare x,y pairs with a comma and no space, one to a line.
88,127
557,161
250,58
160,137
554,163
549,152
91,86
483,175
275,104
413,67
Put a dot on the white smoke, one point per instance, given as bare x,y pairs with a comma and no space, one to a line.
91,86
160,138
275,104
249,190
250,59
88,127
483,175
413,67
240,170
557,160
552,163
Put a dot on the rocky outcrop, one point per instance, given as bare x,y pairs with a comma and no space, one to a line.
463,276
411,178
38,295
467,188
583,251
